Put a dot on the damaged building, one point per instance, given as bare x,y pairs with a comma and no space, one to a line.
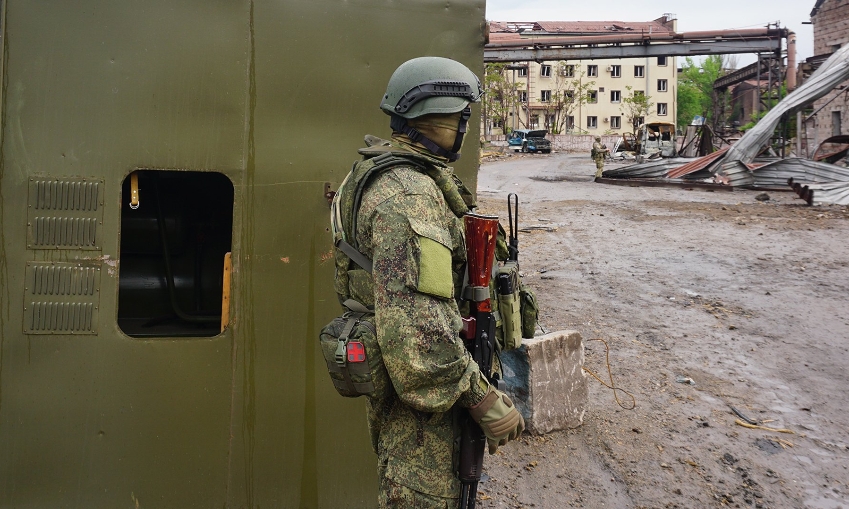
830,19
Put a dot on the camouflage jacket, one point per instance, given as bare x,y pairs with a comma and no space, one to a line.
415,239
598,150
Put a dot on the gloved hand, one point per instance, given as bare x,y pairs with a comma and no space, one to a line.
498,418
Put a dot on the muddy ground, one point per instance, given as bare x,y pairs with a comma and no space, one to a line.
748,299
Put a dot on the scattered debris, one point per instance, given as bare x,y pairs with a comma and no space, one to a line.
762,197
740,415
753,426
681,379
538,227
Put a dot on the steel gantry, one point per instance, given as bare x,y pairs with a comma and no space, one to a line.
544,48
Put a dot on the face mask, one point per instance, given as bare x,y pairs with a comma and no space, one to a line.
441,129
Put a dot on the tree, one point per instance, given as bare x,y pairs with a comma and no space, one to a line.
635,105
500,97
696,95
569,92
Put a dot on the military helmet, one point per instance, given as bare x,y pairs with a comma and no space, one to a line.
428,85
598,138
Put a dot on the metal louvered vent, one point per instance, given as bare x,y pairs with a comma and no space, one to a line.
66,194
64,213
61,298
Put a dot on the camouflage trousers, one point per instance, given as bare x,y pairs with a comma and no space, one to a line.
395,496
599,165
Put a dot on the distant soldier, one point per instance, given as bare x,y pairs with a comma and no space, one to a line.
598,152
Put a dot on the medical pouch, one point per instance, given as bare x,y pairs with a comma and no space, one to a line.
507,285
352,354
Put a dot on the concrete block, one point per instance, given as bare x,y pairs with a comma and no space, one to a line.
546,380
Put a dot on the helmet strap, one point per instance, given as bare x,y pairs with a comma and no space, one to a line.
461,129
399,125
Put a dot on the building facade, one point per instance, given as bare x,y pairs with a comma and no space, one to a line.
831,31
585,96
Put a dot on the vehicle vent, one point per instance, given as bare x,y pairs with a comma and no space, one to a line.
66,195
61,298
62,280
64,213
63,232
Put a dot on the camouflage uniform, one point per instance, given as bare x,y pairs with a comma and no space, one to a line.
415,239
599,149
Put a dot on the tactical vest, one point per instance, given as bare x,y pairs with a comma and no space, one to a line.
349,342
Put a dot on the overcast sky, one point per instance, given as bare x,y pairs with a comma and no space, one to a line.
692,15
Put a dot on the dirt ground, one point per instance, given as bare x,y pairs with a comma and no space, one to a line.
748,299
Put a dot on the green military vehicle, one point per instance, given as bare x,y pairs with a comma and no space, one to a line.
165,260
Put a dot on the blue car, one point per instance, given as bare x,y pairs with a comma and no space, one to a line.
529,140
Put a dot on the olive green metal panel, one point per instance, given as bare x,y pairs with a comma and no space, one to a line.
95,90
276,95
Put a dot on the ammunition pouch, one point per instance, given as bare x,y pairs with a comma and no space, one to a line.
352,354
507,288
529,311
514,304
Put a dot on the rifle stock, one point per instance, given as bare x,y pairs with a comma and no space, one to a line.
479,328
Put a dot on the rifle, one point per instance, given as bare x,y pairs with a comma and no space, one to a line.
479,337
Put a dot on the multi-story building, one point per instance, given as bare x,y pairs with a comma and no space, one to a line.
831,31
546,91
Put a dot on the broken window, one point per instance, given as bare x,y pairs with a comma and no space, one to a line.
615,122
545,96
592,71
523,96
550,121
523,72
615,71
176,234
661,85
661,61
836,126
639,71
567,71
615,96
570,122
592,122
592,96
545,71
661,109
534,124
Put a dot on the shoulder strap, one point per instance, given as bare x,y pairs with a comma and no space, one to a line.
380,163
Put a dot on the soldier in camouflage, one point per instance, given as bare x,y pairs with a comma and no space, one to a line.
410,225
598,152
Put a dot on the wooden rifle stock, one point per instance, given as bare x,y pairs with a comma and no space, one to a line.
479,336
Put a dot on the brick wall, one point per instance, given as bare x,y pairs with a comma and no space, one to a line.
831,31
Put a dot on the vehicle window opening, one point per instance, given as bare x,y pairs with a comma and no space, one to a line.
176,235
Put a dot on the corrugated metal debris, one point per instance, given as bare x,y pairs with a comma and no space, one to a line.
832,73
835,193
817,182
775,175
701,163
